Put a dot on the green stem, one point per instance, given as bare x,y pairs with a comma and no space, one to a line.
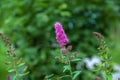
70,68
15,67
63,76
69,63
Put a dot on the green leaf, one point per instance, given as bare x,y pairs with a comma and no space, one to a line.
63,6
49,76
76,74
21,64
66,67
14,77
65,13
109,76
11,70
76,60
24,74
64,76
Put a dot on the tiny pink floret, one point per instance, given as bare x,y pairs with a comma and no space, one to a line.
60,35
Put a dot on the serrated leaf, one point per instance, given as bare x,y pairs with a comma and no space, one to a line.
11,70
24,74
21,64
19,61
25,68
64,76
76,74
66,68
76,60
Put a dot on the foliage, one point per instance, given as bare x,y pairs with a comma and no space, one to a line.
16,67
29,24
106,65
3,58
67,58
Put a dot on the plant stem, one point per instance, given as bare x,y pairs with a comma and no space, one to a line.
70,68
63,76
69,63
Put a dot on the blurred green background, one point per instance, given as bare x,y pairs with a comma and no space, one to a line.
30,26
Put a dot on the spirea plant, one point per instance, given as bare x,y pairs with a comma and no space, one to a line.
106,65
16,66
67,57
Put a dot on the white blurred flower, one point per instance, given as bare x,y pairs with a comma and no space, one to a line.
91,62
116,75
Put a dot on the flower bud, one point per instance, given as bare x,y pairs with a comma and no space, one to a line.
14,55
8,77
98,78
7,63
69,48
74,55
63,51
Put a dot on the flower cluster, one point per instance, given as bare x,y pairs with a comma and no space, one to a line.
60,35
99,36
106,59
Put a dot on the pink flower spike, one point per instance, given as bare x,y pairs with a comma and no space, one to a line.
60,35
